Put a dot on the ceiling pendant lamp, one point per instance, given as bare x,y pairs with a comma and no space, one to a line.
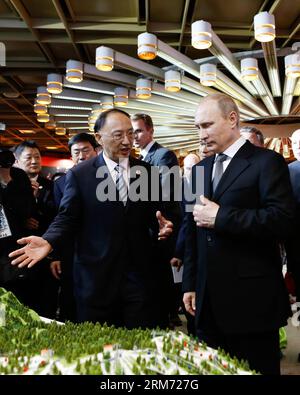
208,74
60,131
104,58
96,109
121,96
54,83
292,65
43,117
143,88
201,35
249,69
74,71
107,102
264,27
147,46
39,108
172,81
51,124
43,96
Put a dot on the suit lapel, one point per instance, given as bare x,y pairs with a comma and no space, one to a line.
151,152
208,167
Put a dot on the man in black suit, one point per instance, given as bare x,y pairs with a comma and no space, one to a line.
113,267
166,161
235,289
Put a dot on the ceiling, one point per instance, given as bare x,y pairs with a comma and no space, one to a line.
41,35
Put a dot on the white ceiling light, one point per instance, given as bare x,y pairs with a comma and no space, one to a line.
104,58
39,108
54,83
249,69
43,117
121,96
74,71
60,131
96,109
201,34
172,81
43,96
143,88
208,74
264,27
106,102
292,65
147,46
51,124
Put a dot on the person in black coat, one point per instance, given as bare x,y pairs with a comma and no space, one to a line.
114,270
235,289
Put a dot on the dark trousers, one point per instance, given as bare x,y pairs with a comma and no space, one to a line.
261,349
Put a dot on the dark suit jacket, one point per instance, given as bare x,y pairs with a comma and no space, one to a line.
238,262
101,231
58,189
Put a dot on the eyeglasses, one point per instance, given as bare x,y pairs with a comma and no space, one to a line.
119,136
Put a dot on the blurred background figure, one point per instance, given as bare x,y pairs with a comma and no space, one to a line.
252,134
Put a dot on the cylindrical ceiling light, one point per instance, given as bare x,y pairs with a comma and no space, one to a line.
121,96
51,124
147,46
54,83
264,27
60,131
201,34
96,109
43,117
292,65
39,108
107,102
143,88
104,58
74,71
43,96
249,69
208,74
172,81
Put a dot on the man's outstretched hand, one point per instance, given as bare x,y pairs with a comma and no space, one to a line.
165,226
36,248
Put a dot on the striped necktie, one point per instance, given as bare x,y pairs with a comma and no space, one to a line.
121,185
218,170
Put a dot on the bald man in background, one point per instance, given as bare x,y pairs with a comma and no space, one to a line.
252,134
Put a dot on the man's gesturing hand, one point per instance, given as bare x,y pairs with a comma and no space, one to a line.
36,248
165,226
205,213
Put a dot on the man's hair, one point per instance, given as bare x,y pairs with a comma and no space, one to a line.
103,116
226,104
83,138
25,144
145,117
257,132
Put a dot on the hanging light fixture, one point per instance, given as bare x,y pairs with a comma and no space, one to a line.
96,110
121,96
60,131
208,74
201,35
172,81
147,46
43,96
107,102
51,124
143,88
39,108
43,117
249,69
264,27
292,65
104,58
74,71
54,83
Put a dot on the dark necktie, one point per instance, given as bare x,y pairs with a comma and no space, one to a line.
218,170
121,185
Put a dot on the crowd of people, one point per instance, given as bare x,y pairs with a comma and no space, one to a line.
71,254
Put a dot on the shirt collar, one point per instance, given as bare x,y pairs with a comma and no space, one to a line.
146,150
233,148
111,164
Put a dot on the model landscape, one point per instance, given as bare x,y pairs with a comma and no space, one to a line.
30,346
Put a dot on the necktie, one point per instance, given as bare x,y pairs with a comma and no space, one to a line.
121,185
218,170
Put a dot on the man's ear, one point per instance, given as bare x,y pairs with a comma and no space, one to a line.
98,138
233,118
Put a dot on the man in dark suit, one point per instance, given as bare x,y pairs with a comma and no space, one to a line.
167,163
235,289
113,267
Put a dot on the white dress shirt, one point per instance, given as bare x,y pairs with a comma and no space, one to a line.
111,165
144,151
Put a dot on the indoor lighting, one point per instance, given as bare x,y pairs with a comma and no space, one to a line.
107,102
172,81
96,109
292,65
264,27
104,58
143,88
51,124
51,147
201,34
43,117
147,46
26,131
208,74
54,83
43,96
249,69
74,71
121,96
60,131
39,108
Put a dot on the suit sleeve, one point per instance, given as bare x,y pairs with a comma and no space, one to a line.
274,218
67,221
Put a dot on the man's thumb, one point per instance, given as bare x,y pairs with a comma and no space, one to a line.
204,200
